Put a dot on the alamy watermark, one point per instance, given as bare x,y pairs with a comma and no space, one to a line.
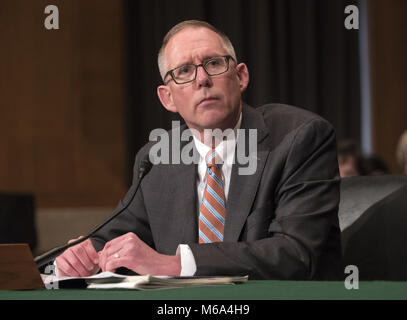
352,280
167,149
51,280
352,18
52,20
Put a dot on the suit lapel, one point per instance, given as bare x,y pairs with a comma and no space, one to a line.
184,191
243,188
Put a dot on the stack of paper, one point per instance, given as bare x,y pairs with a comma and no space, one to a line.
109,280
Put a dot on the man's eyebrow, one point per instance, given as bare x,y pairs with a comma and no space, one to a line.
184,63
207,57
210,57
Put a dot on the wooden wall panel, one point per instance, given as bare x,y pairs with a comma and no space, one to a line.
61,102
388,47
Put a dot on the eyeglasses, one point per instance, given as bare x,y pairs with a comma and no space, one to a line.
187,72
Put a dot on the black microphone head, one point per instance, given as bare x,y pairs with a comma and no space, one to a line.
145,166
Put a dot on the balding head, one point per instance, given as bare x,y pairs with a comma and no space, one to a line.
162,61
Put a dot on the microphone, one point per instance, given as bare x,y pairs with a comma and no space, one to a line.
47,257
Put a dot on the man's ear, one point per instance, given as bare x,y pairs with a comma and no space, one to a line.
243,75
165,96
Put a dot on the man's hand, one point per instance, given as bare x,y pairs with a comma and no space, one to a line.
81,260
130,252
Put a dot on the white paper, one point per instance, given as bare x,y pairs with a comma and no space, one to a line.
52,278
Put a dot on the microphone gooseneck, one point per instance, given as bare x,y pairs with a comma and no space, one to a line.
47,257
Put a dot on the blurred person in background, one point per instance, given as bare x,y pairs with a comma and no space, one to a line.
353,163
348,157
402,152
372,166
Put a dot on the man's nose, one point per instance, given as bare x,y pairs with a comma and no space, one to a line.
202,78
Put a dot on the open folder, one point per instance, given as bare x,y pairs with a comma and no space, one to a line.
109,280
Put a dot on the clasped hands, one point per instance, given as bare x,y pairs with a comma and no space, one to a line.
127,251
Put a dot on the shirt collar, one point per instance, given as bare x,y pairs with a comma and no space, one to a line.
225,149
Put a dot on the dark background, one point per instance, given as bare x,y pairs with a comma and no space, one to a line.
298,52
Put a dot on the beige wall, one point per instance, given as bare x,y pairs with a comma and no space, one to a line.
55,226
388,49
61,102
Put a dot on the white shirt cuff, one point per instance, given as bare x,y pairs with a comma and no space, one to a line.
188,264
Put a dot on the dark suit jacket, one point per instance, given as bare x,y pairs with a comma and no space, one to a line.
281,222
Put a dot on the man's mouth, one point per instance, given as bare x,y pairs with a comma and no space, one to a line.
207,100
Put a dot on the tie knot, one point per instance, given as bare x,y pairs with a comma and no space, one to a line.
212,158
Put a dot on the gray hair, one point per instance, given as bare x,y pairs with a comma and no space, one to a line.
162,62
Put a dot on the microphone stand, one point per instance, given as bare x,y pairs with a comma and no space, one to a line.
50,255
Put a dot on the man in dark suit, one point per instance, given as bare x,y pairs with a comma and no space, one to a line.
279,221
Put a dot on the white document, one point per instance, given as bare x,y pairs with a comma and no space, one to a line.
109,280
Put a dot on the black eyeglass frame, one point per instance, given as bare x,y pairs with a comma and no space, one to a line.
170,72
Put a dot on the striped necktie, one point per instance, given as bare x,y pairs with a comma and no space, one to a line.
212,212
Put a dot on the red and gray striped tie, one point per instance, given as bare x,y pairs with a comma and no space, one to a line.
212,212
